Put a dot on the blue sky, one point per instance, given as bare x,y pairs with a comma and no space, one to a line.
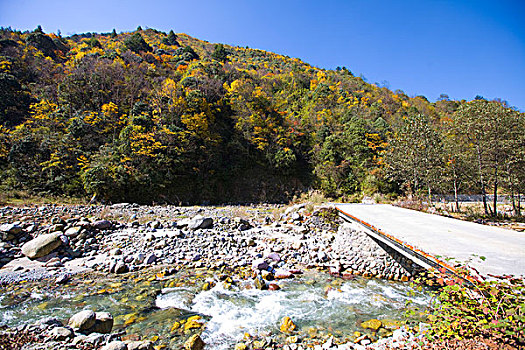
461,48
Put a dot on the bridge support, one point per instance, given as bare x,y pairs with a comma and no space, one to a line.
422,259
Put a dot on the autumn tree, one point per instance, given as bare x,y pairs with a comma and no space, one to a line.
492,133
415,153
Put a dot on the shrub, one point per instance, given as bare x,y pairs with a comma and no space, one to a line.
494,309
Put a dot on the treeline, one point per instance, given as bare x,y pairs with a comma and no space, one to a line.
149,116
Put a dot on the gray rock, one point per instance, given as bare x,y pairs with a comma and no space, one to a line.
13,229
9,232
83,320
64,278
121,267
50,322
139,258
95,339
60,333
199,222
116,251
275,257
260,264
64,239
150,259
73,232
78,339
42,245
102,224
103,323
115,345
56,227
140,345
297,217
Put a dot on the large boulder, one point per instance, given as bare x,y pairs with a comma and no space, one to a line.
197,222
103,323
60,333
102,224
42,245
83,321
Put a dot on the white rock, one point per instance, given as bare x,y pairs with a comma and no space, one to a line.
83,320
42,245
115,345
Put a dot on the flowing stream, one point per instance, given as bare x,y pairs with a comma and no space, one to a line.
147,307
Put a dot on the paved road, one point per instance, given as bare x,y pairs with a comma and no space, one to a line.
436,235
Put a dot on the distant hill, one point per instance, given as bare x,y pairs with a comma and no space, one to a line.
152,116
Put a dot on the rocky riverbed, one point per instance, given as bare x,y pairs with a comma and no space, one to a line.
161,270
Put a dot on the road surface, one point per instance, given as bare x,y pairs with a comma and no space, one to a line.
442,237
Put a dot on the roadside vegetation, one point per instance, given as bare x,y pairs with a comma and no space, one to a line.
474,313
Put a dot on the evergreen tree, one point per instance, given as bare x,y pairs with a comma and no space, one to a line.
136,43
172,38
220,53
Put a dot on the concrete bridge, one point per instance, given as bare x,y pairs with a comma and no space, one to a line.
430,240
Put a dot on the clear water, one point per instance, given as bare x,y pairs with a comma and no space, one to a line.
312,301
147,308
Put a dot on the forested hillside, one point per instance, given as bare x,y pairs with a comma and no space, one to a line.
149,116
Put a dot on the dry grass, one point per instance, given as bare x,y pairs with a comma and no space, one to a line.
314,197
277,213
22,198
240,212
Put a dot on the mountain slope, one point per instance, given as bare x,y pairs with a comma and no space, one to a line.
149,116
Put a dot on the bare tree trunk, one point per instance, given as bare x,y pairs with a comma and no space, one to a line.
519,203
415,183
482,183
456,191
512,194
514,209
495,191
484,194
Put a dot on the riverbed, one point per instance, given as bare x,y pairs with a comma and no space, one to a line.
152,305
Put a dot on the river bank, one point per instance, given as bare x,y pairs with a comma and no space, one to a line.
266,256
